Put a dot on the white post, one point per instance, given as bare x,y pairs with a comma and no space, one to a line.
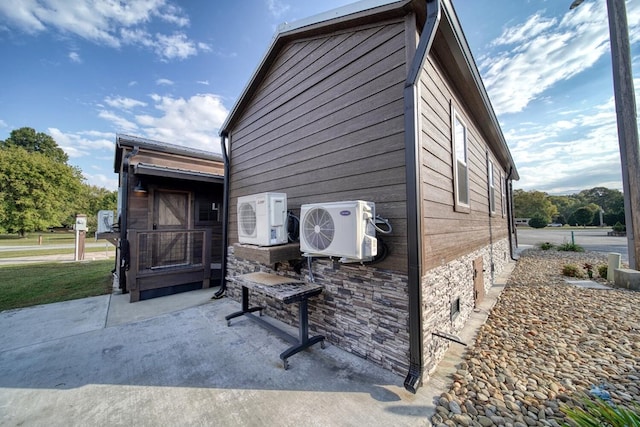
613,263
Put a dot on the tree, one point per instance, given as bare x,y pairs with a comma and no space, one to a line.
35,142
608,200
537,221
565,205
94,199
37,191
582,216
528,204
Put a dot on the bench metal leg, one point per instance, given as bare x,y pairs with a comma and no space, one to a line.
245,307
303,335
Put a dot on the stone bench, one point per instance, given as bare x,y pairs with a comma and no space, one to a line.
288,291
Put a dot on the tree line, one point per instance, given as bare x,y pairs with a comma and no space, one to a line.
587,207
39,189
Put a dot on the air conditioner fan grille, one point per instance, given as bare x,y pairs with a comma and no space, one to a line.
318,228
248,219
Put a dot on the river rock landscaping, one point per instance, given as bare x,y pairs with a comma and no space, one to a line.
546,344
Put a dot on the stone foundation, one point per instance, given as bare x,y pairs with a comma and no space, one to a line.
362,310
441,287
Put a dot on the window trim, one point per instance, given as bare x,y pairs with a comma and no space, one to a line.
503,194
456,118
491,181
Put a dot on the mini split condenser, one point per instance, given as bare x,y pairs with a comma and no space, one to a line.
262,219
339,229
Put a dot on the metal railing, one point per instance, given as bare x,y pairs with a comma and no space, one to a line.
164,249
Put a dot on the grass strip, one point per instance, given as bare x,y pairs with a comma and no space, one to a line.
33,284
41,252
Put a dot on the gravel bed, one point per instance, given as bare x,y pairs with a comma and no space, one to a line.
544,344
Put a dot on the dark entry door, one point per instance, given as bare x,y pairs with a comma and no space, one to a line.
171,212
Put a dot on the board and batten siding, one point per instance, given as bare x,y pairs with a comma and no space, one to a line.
326,124
449,234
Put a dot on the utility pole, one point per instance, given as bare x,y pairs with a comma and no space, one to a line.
627,123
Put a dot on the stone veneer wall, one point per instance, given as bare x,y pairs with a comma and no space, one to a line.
362,309
442,285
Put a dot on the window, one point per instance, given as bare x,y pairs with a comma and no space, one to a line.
461,167
455,309
492,187
503,195
207,211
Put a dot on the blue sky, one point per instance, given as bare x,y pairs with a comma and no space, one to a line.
84,70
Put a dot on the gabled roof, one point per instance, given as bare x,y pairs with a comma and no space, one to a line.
159,146
450,44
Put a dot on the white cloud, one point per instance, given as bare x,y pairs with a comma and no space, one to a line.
532,57
164,82
3,124
277,8
192,122
102,180
203,82
535,25
123,103
110,23
120,123
174,46
81,144
567,156
75,57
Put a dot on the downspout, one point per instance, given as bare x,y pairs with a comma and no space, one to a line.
512,229
225,216
124,214
492,266
413,379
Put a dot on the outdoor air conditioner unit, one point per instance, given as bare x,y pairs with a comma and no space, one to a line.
262,219
339,229
105,222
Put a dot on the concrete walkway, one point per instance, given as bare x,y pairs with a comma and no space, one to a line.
173,361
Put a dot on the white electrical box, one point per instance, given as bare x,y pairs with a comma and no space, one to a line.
105,221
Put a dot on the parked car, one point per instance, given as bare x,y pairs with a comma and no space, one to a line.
554,224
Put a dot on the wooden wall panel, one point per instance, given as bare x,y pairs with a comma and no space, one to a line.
326,124
449,234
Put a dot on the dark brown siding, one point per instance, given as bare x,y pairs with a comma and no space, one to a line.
326,124
450,234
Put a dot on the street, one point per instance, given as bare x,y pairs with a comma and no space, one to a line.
591,239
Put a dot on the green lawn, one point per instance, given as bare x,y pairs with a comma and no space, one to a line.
111,250
33,284
33,239
42,240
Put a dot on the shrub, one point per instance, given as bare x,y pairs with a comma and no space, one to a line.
570,247
619,227
537,222
603,270
571,270
545,246
602,413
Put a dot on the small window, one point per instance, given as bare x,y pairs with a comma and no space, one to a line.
492,187
207,211
503,195
461,167
455,308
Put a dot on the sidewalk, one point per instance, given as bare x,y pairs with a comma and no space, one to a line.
173,361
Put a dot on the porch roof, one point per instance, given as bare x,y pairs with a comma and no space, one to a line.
176,173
